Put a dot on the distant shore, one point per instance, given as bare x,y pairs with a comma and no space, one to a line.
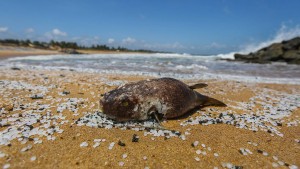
16,51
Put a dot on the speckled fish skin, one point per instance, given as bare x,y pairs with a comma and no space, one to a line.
167,97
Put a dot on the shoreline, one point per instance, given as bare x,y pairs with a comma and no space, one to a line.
14,51
66,142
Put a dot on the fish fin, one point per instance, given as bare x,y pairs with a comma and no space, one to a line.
198,85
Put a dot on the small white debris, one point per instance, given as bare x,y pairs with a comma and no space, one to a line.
26,148
216,154
245,151
265,153
147,168
208,148
6,166
2,154
97,140
111,145
96,144
195,143
121,163
229,165
216,168
84,144
197,158
293,167
145,158
203,145
198,151
275,158
124,156
275,165
280,162
204,153
33,158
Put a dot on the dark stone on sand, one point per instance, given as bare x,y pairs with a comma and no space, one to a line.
15,68
286,51
135,138
120,143
260,151
70,51
37,96
66,92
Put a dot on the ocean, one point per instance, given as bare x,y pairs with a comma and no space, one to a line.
182,66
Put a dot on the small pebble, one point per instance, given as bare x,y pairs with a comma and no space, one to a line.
197,158
111,145
275,158
216,154
121,163
265,153
84,144
280,162
203,145
293,167
275,165
135,138
194,144
198,151
33,158
96,144
6,166
120,143
145,157
124,156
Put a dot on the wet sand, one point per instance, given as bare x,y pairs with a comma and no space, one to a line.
65,144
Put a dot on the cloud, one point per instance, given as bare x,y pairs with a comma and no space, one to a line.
58,32
128,40
3,29
55,34
284,33
29,30
110,40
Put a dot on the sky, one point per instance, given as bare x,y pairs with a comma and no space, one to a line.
190,26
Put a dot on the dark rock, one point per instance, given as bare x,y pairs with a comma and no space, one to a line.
286,51
66,92
70,51
120,143
135,138
37,96
15,68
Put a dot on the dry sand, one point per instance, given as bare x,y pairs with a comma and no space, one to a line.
13,51
219,144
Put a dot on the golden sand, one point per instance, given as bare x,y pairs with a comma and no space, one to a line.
221,142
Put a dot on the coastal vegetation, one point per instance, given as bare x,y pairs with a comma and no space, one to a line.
67,47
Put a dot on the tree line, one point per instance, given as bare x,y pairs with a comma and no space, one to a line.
64,45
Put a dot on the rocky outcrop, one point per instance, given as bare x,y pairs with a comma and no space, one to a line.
70,51
286,51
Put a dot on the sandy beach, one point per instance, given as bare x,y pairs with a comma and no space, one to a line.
42,127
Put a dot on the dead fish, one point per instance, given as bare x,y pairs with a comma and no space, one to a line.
154,99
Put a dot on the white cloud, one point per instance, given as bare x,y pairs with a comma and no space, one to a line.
57,32
3,29
129,40
110,40
29,30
